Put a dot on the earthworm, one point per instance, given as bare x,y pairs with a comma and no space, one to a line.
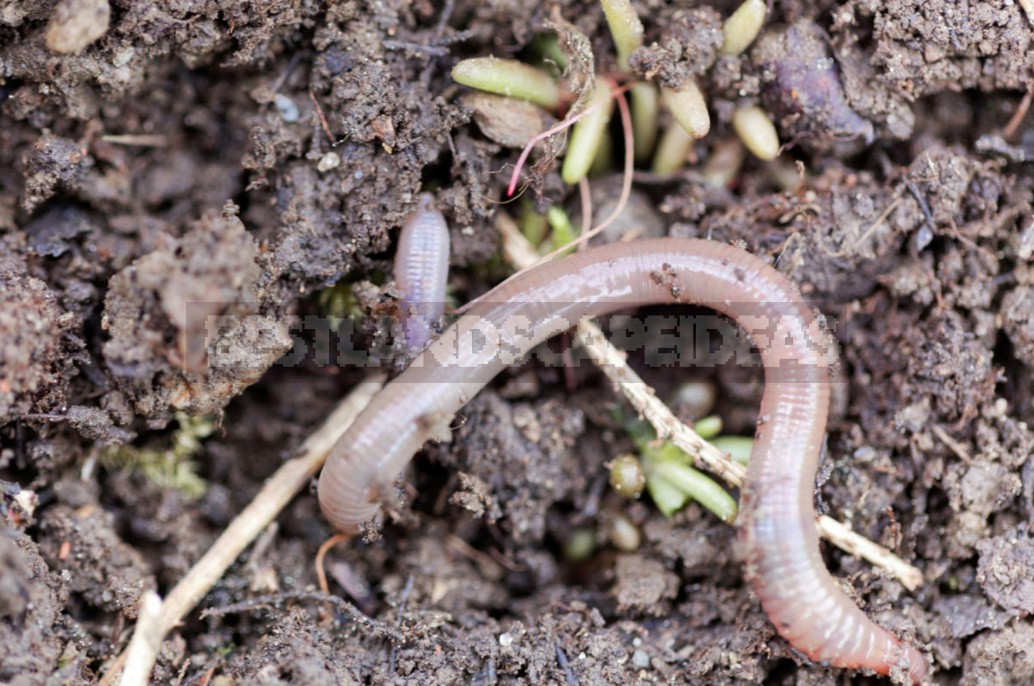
777,522
422,272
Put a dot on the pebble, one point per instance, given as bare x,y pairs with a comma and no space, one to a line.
329,161
286,107
75,24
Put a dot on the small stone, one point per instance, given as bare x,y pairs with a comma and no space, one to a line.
624,534
505,120
286,107
75,24
123,56
1026,244
329,161
27,500
640,660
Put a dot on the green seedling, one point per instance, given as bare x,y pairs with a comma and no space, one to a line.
724,163
757,131
580,545
668,497
587,133
546,53
532,224
708,427
687,104
625,28
688,107
603,162
645,108
339,303
627,31
743,26
672,151
671,480
562,231
694,484
627,476
738,447
624,534
510,78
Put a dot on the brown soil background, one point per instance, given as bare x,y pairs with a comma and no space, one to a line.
100,241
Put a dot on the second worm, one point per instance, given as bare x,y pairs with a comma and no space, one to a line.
422,272
777,521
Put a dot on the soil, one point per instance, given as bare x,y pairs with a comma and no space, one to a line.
245,156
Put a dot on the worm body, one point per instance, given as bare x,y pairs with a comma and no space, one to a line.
777,517
422,272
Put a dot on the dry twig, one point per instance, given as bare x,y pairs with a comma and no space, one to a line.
144,140
267,504
147,639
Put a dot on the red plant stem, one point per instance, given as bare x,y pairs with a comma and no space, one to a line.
565,124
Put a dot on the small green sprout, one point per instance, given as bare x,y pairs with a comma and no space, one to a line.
668,497
645,106
672,151
547,54
688,107
627,31
670,478
532,224
563,232
603,162
756,130
339,303
625,28
695,396
724,162
743,26
627,476
172,467
697,485
624,534
586,151
586,135
510,78
580,545
738,447
708,427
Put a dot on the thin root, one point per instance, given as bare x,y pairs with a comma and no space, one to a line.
562,126
1021,111
321,573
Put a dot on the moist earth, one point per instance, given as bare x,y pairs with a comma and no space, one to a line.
257,159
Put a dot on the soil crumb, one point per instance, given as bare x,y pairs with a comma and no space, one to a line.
204,337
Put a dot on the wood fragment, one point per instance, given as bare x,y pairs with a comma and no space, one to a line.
147,639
